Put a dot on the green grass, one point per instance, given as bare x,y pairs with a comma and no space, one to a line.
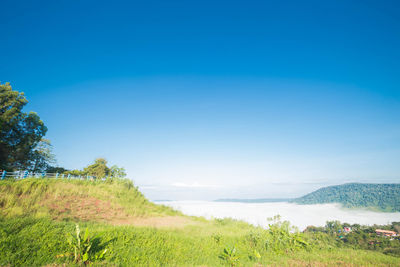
51,198
35,221
37,242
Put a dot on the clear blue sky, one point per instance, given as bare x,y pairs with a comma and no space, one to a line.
208,99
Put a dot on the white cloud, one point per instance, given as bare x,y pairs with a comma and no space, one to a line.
298,215
193,185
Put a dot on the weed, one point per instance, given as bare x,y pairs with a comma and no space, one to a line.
82,247
281,237
230,256
217,238
255,256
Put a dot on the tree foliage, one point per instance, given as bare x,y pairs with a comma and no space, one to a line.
384,197
20,132
53,169
117,172
333,226
42,156
98,169
360,236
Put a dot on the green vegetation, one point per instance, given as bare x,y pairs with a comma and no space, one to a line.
361,236
34,233
38,242
230,256
116,201
22,146
20,132
382,197
83,247
99,169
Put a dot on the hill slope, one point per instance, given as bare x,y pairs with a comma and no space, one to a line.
37,216
383,197
116,202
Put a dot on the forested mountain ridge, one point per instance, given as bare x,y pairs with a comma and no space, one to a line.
383,197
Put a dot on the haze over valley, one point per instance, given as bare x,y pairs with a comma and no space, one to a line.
300,216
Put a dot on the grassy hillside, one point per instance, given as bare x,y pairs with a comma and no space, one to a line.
38,216
383,197
42,242
78,200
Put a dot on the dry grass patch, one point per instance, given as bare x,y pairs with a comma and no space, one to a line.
85,208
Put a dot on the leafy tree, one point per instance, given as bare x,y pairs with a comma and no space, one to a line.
19,132
117,172
98,169
75,172
52,169
314,229
333,226
42,157
396,228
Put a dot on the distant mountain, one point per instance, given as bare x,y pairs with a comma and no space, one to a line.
257,200
382,197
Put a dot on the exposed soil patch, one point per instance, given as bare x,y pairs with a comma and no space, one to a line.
85,208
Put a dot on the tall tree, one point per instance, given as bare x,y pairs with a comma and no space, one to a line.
42,156
19,132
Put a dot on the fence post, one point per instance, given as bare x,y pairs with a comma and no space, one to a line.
56,175
26,174
3,175
69,176
62,176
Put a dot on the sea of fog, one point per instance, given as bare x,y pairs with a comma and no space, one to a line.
299,215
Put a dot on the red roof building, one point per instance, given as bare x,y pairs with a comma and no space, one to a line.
385,232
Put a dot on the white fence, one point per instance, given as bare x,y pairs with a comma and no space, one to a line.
26,174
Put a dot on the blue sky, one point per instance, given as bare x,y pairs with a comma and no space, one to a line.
209,99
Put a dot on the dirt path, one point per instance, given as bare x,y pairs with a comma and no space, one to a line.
158,222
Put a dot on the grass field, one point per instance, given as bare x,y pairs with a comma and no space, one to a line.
37,216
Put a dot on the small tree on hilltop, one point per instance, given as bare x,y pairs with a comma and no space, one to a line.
98,169
117,172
